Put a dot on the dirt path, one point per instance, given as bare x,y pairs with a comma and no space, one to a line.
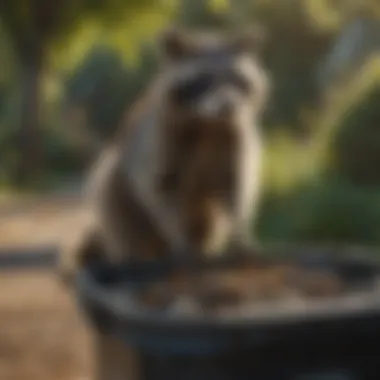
39,221
42,336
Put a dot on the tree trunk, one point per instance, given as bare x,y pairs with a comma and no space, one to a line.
29,139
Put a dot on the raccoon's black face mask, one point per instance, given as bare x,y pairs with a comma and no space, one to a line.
190,91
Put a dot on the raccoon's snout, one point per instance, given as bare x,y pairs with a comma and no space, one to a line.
224,108
220,104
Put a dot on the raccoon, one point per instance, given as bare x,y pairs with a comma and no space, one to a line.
182,176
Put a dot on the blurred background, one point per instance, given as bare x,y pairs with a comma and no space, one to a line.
70,70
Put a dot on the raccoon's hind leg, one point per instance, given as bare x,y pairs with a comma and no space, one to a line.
88,248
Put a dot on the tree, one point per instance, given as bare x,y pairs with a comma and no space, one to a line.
35,27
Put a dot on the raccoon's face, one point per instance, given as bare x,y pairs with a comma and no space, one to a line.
213,79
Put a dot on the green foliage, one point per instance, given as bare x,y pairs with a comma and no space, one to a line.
330,211
201,13
36,28
31,22
64,159
9,124
107,87
357,144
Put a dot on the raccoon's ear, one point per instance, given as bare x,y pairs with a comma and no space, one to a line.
176,44
252,39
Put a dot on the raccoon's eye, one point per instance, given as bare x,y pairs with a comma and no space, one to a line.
240,82
192,89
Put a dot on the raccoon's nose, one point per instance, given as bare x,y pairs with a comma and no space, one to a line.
221,108
219,104
227,103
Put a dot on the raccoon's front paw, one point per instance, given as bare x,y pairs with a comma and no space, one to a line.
244,248
168,183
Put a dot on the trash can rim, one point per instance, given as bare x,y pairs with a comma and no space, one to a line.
354,305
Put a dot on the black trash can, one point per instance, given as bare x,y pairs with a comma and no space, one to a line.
332,340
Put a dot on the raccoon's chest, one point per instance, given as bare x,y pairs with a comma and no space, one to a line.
219,185
208,161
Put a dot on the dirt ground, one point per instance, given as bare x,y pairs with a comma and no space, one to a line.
40,221
42,334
